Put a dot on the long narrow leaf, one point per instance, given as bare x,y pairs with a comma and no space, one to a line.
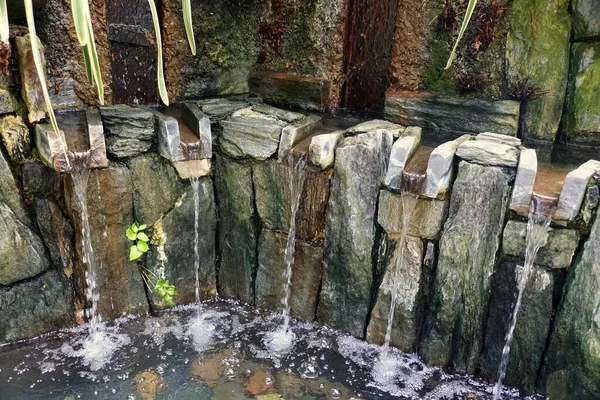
37,59
187,21
78,8
4,28
162,86
463,28
88,65
94,62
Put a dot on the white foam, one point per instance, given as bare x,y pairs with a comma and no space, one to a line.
98,349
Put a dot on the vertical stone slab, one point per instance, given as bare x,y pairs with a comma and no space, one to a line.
537,48
531,332
31,89
360,166
404,277
572,366
238,234
110,208
306,275
453,331
523,189
176,228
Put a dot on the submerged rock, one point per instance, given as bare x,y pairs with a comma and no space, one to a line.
531,331
453,333
236,229
572,365
360,166
34,307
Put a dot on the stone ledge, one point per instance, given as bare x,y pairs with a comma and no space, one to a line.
573,190
304,92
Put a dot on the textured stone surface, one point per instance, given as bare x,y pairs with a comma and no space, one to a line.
453,332
273,199
426,220
290,90
376,124
217,110
572,365
321,151
454,114
199,123
531,331
193,168
156,187
488,153
585,19
539,51
523,187
557,253
31,89
581,116
56,232
402,151
360,165
37,178
110,208
496,137
402,278
129,130
306,275
250,134
293,134
9,192
177,230
573,190
31,308
236,229
15,136
441,168
167,128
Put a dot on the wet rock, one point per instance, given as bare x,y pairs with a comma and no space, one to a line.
306,275
585,22
199,123
523,188
110,208
376,124
39,179
9,193
129,130
402,151
193,168
237,230
290,90
148,383
176,232
281,114
581,117
453,332
34,307
57,233
572,364
321,150
15,136
454,114
8,103
557,253
488,152
156,187
573,190
210,367
169,142
590,202
539,52
426,220
531,331
402,279
293,134
250,134
219,109
229,391
31,89
259,382
441,168
496,137
360,166
273,199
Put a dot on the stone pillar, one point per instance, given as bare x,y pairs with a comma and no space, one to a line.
360,166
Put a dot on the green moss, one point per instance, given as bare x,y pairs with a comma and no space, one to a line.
435,77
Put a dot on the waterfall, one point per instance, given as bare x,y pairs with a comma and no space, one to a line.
540,216
296,183
195,181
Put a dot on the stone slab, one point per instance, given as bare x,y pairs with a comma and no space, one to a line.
525,180
304,92
321,151
376,124
199,123
573,190
441,168
487,152
31,89
129,130
294,133
402,151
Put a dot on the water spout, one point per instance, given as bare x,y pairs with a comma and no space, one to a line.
540,216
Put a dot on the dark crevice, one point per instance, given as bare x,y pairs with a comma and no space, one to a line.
256,223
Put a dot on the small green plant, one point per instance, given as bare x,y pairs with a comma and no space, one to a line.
161,287
136,233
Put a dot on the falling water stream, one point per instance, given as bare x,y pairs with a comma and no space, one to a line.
196,193
540,216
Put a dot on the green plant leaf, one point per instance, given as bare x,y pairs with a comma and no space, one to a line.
142,227
134,253
171,290
131,235
142,246
162,86
135,227
88,65
37,59
78,8
161,292
143,237
463,28
189,28
4,27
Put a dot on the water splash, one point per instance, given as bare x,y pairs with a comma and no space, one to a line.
540,216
